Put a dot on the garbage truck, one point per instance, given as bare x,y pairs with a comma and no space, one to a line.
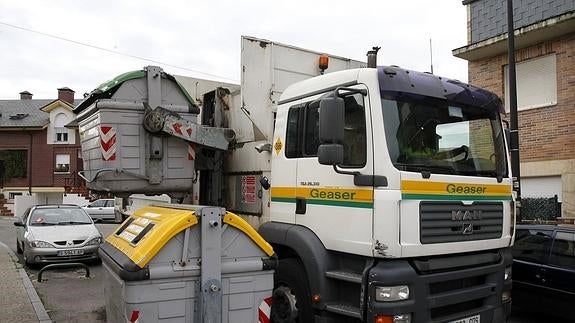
384,194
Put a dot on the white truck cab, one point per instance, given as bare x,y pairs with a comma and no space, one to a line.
404,176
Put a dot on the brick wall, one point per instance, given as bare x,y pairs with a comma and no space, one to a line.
488,18
545,133
43,158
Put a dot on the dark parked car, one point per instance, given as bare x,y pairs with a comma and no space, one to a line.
544,269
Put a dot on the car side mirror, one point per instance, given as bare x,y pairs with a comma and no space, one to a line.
19,223
331,124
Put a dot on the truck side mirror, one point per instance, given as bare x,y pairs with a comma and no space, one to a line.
331,123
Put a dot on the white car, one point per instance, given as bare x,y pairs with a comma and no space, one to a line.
57,233
102,209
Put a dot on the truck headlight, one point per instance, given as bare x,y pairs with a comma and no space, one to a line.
40,244
391,293
401,318
95,241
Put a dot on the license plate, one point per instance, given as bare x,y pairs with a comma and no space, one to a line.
72,252
471,319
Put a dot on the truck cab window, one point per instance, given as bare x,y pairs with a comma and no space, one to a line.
302,137
354,136
292,132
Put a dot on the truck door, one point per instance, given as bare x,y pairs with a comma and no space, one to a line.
327,202
284,163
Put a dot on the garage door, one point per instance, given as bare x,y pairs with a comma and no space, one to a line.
542,187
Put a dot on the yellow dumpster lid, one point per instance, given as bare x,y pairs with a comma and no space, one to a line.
146,232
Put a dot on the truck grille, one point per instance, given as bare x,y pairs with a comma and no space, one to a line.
442,222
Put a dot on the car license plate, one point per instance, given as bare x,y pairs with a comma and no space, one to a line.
71,252
471,319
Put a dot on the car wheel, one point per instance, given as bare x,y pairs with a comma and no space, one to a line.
18,247
25,256
291,297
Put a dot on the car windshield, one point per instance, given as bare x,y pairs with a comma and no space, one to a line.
438,136
59,216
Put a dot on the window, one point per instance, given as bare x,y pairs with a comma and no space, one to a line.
302,138
443,137
61,134
563,251
60,131
12,195
536,83
532,245
62,164
292,132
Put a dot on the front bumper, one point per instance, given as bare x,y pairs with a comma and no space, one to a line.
50,255
446,289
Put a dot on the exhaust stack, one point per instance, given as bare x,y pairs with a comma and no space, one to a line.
372,57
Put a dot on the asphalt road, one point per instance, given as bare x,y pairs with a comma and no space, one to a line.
70,297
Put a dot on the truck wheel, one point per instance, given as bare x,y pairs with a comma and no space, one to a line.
292,297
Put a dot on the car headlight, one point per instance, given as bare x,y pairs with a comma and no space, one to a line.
507,275
95,241
40,244
391,293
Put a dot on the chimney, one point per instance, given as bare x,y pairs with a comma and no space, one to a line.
65,94
25,95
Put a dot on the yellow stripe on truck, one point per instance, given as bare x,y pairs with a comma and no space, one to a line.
414,189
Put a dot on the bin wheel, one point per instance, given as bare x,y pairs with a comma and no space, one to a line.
292,297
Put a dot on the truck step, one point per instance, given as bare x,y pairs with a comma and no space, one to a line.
344,309
347,276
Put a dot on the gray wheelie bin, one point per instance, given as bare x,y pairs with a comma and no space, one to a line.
177,263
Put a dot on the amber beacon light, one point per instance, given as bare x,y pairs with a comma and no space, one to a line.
323,62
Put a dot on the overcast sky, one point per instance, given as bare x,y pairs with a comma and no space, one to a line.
204,36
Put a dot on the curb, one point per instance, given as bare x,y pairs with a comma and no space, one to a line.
30,290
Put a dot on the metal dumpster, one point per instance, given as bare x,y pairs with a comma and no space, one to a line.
179,263
119,154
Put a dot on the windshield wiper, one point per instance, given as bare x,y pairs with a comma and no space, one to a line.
43,223
490,173
427,168
72,222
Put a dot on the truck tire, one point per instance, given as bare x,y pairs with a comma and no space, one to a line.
292,297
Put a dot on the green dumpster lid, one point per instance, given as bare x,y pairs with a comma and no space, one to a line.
107,89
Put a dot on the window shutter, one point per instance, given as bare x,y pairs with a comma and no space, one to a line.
536,83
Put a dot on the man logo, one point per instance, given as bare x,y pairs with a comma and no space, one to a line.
465,215
467,228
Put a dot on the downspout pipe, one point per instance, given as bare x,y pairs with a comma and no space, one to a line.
514,131
30,145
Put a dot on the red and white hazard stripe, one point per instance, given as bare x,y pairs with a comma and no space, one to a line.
108,142
182,129
264,310
134,318
191,151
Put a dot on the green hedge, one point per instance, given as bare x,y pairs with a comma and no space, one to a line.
542,208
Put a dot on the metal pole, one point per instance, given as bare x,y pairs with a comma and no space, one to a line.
515,163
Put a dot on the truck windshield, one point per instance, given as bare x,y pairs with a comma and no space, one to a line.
442,137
